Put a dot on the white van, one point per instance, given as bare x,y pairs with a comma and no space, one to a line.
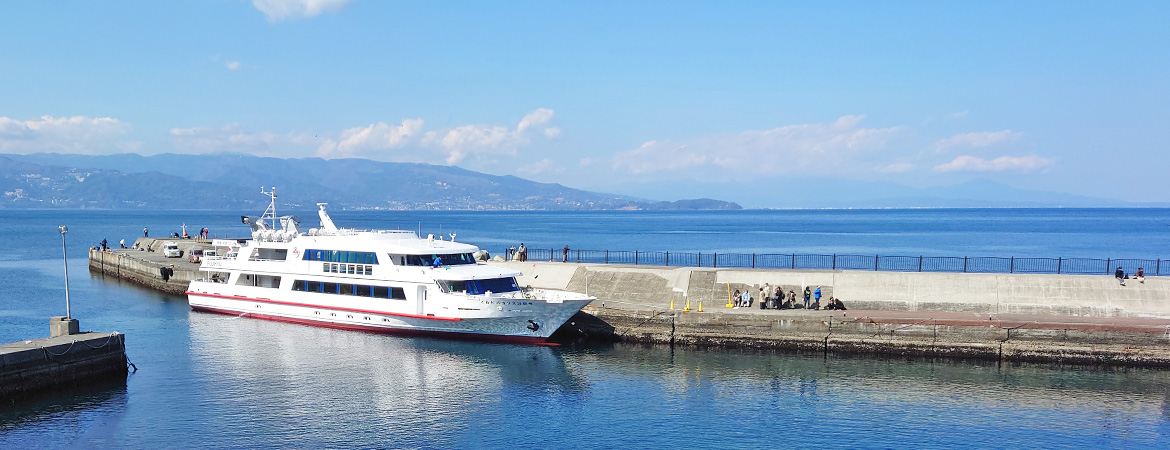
171,250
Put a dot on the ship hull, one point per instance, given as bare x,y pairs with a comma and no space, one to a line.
512,329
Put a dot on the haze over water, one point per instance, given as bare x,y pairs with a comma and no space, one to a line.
214,381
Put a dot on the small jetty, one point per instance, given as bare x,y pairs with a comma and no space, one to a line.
67,358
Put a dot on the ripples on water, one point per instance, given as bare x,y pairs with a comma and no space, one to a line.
214,381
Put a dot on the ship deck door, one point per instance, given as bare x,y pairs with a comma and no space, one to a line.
420,296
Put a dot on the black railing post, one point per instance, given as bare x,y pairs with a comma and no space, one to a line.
578,256
834,261
919,263
714,260
1108,264
753,260
1158,267
1059,264
1012,265
964,264
668,259
700,261
607,256
794,261
875,262
635,257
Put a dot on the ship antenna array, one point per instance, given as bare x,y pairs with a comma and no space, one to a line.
270,213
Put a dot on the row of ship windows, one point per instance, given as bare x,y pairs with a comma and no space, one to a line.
359,290
340,256
352,269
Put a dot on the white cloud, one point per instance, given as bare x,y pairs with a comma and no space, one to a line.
77,134
484,140
967,163
958,115
900,167
278,10
378,136
539,117
810,148
543,166
232,65
234,138
976,140
552,132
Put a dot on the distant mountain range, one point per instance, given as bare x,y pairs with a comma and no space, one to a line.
232,181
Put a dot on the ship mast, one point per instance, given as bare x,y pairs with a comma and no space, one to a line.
270,213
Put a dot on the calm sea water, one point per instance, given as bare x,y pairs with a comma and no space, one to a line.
211,381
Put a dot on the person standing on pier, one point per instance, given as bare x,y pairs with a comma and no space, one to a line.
522,252
145,232
807,296
565,254
817,295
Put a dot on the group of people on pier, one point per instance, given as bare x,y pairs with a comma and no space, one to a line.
775,298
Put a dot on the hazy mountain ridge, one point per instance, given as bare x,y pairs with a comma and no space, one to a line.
223,181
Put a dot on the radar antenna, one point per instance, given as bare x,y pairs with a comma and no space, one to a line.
270,213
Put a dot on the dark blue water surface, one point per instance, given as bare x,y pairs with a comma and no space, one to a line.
212,381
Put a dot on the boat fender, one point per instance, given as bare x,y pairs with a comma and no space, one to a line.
533,325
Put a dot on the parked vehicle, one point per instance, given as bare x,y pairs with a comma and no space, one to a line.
171,250
196,255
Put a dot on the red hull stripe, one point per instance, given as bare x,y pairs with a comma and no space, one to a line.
308,305
385,330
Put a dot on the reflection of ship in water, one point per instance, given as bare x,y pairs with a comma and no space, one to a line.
294,369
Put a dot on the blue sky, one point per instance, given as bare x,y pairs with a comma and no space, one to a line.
657,99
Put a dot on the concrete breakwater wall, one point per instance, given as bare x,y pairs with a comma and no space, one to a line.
1144,345
61,361
1040,318
1077,295
142,267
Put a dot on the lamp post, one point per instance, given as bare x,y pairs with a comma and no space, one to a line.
65,257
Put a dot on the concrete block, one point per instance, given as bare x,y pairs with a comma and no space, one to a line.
62,326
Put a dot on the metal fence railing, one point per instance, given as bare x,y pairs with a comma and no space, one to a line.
984,264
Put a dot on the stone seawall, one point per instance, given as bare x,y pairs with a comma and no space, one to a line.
1076,295
60,362
837,332
143,268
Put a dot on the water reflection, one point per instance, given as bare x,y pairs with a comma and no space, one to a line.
294,378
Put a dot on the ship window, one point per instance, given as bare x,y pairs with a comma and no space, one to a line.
345,289
350,268
380,292
333,268
361,291
369,270
476,287
313,286
397,293
329,288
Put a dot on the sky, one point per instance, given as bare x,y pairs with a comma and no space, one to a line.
661,100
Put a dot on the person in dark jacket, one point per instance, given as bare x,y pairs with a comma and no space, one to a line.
1120,275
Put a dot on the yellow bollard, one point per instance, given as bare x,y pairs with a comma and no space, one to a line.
672,303
729,304
700,306
688,308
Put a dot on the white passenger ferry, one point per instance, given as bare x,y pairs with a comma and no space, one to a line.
390,281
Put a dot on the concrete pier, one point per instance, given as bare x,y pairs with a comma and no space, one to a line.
1083,319
141,264
67,359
